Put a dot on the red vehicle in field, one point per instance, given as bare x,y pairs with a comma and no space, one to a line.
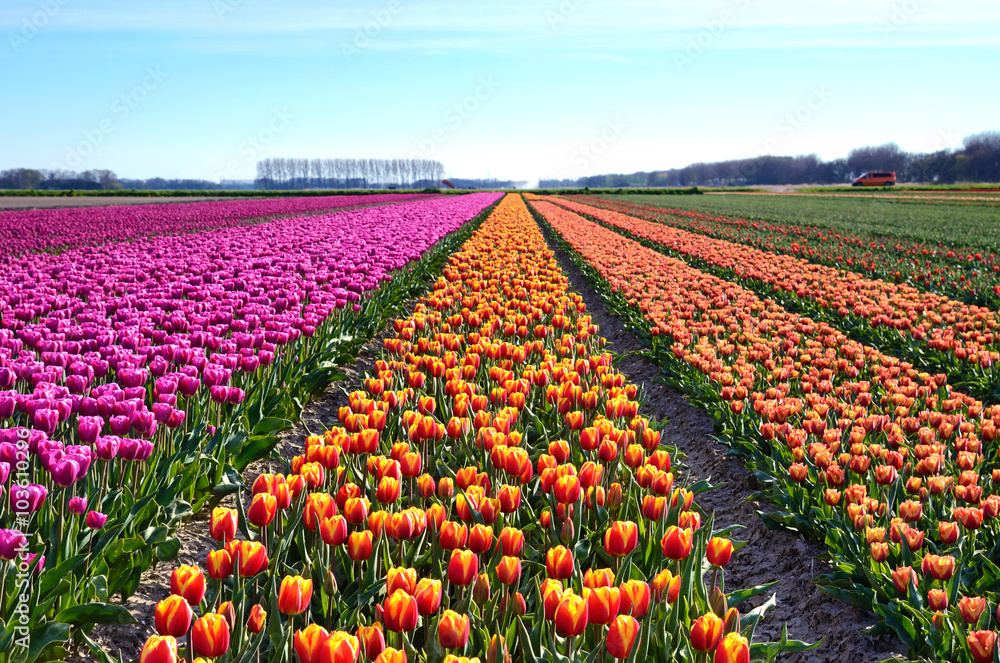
875,179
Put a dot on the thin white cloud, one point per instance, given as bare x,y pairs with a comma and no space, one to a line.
621,26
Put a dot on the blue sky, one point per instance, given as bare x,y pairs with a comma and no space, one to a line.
515,89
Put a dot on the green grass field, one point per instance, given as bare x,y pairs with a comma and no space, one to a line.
959,222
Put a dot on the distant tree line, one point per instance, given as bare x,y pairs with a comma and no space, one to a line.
490,183
284,173
978,160
29,178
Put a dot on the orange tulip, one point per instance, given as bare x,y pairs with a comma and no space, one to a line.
400,578
982,645
567,489
312,474
356,510
333,530
706,632
509,570
173,616
309,643
971,608
453,630
635,598
262,510
210,636
676,543
719,551
948,532
249,556
159,649
319,506
219,564
937,599
733,648
428,596
387,491
571,615
373,640
227,610
340,647
359,545
603,604
511,541
622,634
480,538
391,656
453,535
400,612
222,524
189,582
294,595
463,567
497,652
940,567
902,577
559,563
621,538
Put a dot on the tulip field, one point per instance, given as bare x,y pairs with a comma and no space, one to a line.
494,490
943,245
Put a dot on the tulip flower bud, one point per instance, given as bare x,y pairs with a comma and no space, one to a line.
481,590
330,583
255,623
718,602
228,612
566,533
731,623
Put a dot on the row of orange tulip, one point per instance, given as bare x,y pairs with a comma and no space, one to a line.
493,489
882,461
965,336
966,273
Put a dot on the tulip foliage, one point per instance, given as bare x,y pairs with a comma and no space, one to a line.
137,381
939,334
888,465
491,493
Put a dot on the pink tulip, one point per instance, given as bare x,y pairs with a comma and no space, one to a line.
96,520
78,506
27,499
10,541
